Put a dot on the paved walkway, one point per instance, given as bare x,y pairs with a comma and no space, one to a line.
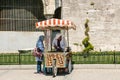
76,66
80,72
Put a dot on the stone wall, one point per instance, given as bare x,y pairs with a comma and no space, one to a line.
11,42
104,17
18,32
49,6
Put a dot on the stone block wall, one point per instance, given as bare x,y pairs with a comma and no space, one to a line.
11,42
104,17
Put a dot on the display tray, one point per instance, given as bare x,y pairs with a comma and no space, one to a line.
58,56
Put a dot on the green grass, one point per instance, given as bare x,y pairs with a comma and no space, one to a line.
97,58
93,59
24,58
77,58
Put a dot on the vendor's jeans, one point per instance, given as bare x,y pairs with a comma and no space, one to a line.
39,66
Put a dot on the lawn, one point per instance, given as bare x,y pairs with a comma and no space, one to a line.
24,58
97,58
77,58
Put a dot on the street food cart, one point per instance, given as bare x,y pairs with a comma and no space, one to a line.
55,60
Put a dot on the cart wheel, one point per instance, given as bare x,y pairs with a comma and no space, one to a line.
69,67
54,68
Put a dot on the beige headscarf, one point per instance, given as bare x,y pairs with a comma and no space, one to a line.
58,35
62,43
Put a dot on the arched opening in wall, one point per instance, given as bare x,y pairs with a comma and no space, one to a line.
20,15
57,13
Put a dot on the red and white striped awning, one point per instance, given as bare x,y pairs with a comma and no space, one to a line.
55,24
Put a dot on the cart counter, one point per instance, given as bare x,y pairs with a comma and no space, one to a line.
59,56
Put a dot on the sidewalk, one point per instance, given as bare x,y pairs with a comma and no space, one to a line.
80,72
75,66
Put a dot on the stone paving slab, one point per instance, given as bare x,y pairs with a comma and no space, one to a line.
17,67
76,66
77,74
80,72
97,66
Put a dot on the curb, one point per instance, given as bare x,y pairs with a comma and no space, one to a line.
75,66
97,66
17,67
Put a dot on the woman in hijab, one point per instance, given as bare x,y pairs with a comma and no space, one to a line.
39,49
59,43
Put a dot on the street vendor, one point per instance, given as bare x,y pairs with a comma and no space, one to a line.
59,43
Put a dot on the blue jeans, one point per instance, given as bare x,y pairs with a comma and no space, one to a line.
39,66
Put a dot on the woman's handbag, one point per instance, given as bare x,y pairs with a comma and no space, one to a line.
37,52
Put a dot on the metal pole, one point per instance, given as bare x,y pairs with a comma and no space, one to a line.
45,41
19,59
51,39
67,36
114,57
